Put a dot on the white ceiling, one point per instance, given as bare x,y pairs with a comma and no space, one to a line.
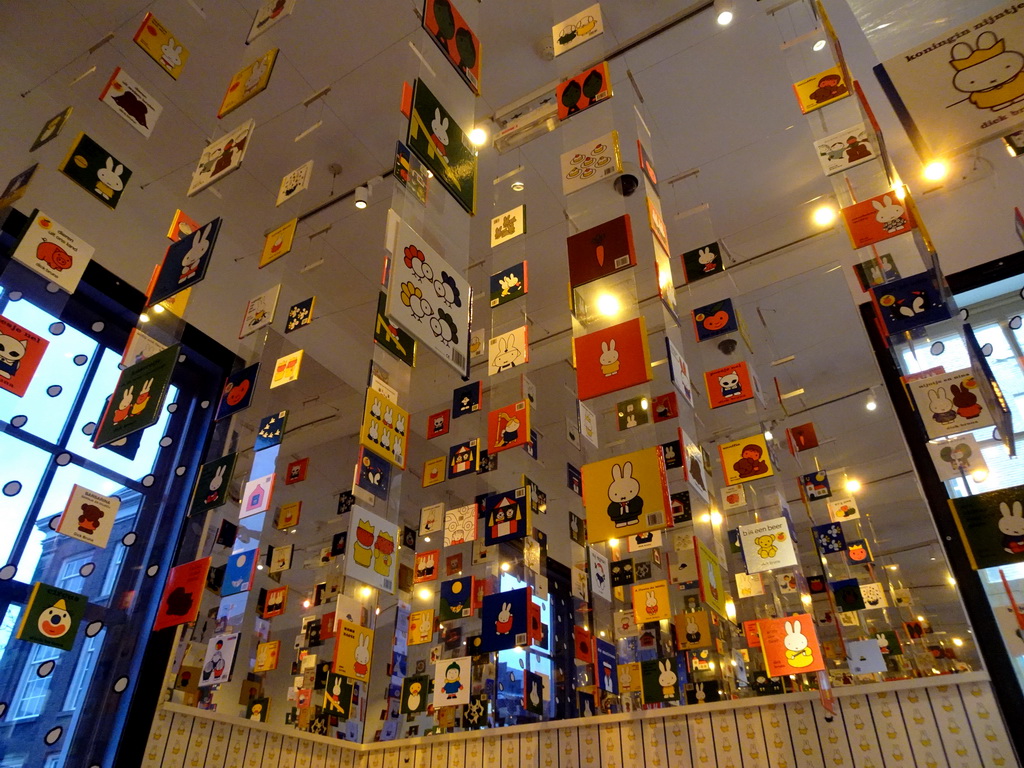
715,99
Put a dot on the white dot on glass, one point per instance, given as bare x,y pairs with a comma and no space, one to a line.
129,538
63,460
179,471
19,421
54,390
148,480
93,629
81,359
14,295
53,735
938,348
52,287
153,570
8,571
44,669
1016,322
205,404
55,328
54,521
89,429
166,440
98,326
172,407
181,358
964,313
13,488
986,350
87,569
120,684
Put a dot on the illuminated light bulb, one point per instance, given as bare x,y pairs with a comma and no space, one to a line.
601,633
825,215
365,592
518,186
724,12
951,580
871,404
613,543
259,567
478,136
957,642
425,594
144,318
426,539
805,599
305,603
768,435
705,518
852,486
936,170
920,618
608,305
716,518
644,404
730,609
158,308
979,475
505,566
899,191
818,45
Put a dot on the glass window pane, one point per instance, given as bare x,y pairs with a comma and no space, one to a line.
53,390
95,400
20,475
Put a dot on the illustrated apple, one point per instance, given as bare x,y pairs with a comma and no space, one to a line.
237,393
716,321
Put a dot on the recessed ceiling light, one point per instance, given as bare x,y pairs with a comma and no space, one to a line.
724,11
819,45
825,215
478,136
608,305
852,486
518,186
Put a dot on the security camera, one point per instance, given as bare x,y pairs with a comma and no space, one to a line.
628,181
727,346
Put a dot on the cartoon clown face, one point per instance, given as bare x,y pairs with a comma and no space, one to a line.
55,621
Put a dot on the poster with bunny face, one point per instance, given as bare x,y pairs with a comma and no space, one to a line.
138,397
507,350
212,485
612,358
437,140
626,495
185,262
248,82
992,526
955,95
430,299
950,404
790,645
96,171
161,46
877,218
385,428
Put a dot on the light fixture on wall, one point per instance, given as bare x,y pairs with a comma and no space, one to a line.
819,45
362,195
936,170
724,11
478,136
825,215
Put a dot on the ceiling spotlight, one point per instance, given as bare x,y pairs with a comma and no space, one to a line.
158,308
819,45
362,195
825,215
852,486
936,170
871,404
613,543
724,11
518,186
768,436
425,594
979,474
506,566
144,318
957,642
608,305
478,136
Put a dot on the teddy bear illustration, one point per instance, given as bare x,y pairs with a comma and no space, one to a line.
1012,526
798,654
626,505
609,358
89,520
766,546
12,352
993,76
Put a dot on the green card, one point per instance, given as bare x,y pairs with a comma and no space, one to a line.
992,526
437,140
96,171
212,485
138,397
52,617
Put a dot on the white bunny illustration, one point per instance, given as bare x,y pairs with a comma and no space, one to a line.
890,214
507,355
400,425
1012,526
362,656
385,440
124,407
389,417
797,651
143,399
108,179
398,448
626,505
255,75
692,631
651,603
609,358
375,409
508,282
503,624
707,257
374,432
535,695
439,135
213,491
990,74
191,260
698,692
667,679
941,406
171,57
